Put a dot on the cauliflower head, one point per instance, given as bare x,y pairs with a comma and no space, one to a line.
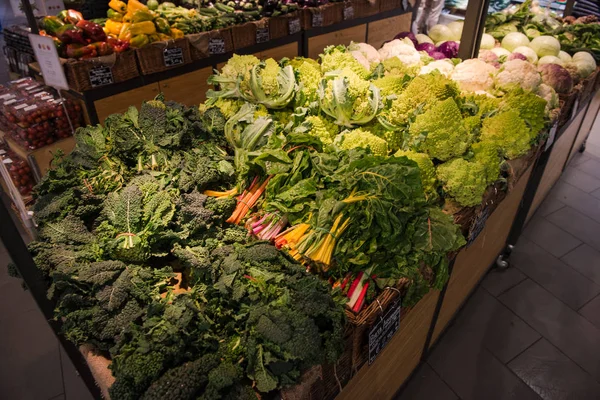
337,58
393,137
238,66
403,49
473,75
487,155
369,52
440,131
308,75
508,133
444,67
228,107
518,73
464,181
348,98
547,93
350,139
391,84
531,108
320,127
426,168
425,90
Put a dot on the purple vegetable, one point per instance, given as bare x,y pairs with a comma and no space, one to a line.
449,48
516,56
556,76
409,35
437,55
428,47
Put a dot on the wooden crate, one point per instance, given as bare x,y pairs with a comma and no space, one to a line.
385,29
382,379
316,44
288,50
556,163
189,89
473,262
44,155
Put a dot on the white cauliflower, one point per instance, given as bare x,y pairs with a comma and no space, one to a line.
518,73
445,67
411,59
368,51
547,93
397,48
473,75
360,57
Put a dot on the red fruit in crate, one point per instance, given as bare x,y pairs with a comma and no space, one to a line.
49,141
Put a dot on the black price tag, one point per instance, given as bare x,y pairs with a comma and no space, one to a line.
404,4
551,136
173,56
294,26
216,46
478,225
348,11
100,76
317,19
262,35
384,330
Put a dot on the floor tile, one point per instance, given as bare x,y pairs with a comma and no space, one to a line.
568,285
500,280
474,373
586,260
553,375
591,311
596,193
550,237
591,167
30,367
578,225
549,205
75,388
580,158
580,179
571,333
577,199
425,384
486,323
14,300
593,149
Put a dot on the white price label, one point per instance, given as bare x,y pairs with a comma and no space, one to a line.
33,107
7,161
7,96
47,56
6,103
21,106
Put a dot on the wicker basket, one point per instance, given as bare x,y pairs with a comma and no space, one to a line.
324,15
247,34
284,25
388,5
365,8
121,66
206,44
152,56
567,101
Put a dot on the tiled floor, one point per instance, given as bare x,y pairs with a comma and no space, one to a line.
532,331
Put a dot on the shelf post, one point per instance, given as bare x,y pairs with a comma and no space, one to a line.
473,28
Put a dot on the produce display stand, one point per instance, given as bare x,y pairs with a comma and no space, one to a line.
422,325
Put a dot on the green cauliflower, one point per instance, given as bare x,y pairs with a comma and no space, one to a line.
393,137
530,106
350,139
308,75
228,107
238,67
337,57
319,127
464,181
270,85
427,169
391,84
348,98
422,92
440,132
487,155
508,132
394,66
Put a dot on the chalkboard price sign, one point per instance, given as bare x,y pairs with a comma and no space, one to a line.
294,26
317,19
384,330
478,225
262,35
216,46
100,76
173,56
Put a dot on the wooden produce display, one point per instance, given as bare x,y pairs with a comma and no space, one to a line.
384,29
473,262
188,89
316,44
586,126
119,103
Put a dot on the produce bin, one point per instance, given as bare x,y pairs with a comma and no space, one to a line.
250,33
206,44
88,74
160,56
284,25
325,15
365,8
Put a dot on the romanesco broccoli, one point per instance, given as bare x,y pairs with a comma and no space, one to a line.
321,128
308,74
393,66
240,66
440,132
337,58
391,84
530,106
463,180
508,132
360,138
428,177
